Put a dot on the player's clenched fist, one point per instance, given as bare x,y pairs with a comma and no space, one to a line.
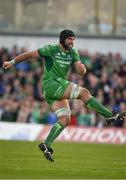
82,69
8,64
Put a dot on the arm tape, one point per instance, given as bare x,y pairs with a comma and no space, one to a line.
76,89
12,62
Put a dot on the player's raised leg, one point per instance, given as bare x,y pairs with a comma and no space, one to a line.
77,92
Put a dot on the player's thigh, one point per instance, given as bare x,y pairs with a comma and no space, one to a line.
67,92
72,91
59,104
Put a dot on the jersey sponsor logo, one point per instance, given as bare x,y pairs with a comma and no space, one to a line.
63,62
63,56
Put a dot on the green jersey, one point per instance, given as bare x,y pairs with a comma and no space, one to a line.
57,61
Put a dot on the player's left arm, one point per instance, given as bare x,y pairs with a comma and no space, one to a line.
80,68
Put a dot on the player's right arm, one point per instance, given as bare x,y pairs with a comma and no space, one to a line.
20,58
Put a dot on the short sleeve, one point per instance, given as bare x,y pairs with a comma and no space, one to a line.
76,56
45,51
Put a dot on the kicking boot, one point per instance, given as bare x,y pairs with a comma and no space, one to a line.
116,117
47,151
50,149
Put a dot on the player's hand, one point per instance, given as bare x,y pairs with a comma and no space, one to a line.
82,69
7,65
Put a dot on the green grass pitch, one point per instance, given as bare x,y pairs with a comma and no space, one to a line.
23,160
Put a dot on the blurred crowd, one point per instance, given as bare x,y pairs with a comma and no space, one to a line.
21,97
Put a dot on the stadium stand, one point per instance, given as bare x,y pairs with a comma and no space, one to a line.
20,89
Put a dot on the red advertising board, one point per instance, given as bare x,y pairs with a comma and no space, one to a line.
89,135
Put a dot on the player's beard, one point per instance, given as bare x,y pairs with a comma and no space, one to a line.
67,46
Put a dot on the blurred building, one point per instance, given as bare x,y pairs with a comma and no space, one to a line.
50,16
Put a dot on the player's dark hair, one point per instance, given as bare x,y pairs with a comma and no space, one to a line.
65,34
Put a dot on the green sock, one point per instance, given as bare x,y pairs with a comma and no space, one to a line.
93,104
55,131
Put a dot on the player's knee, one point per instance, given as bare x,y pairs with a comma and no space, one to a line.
84,94
65,120
63,115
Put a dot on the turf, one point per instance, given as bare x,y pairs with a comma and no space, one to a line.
23,160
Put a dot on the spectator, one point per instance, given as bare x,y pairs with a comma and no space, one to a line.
105,78
85,118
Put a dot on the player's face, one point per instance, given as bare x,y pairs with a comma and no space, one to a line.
69,42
